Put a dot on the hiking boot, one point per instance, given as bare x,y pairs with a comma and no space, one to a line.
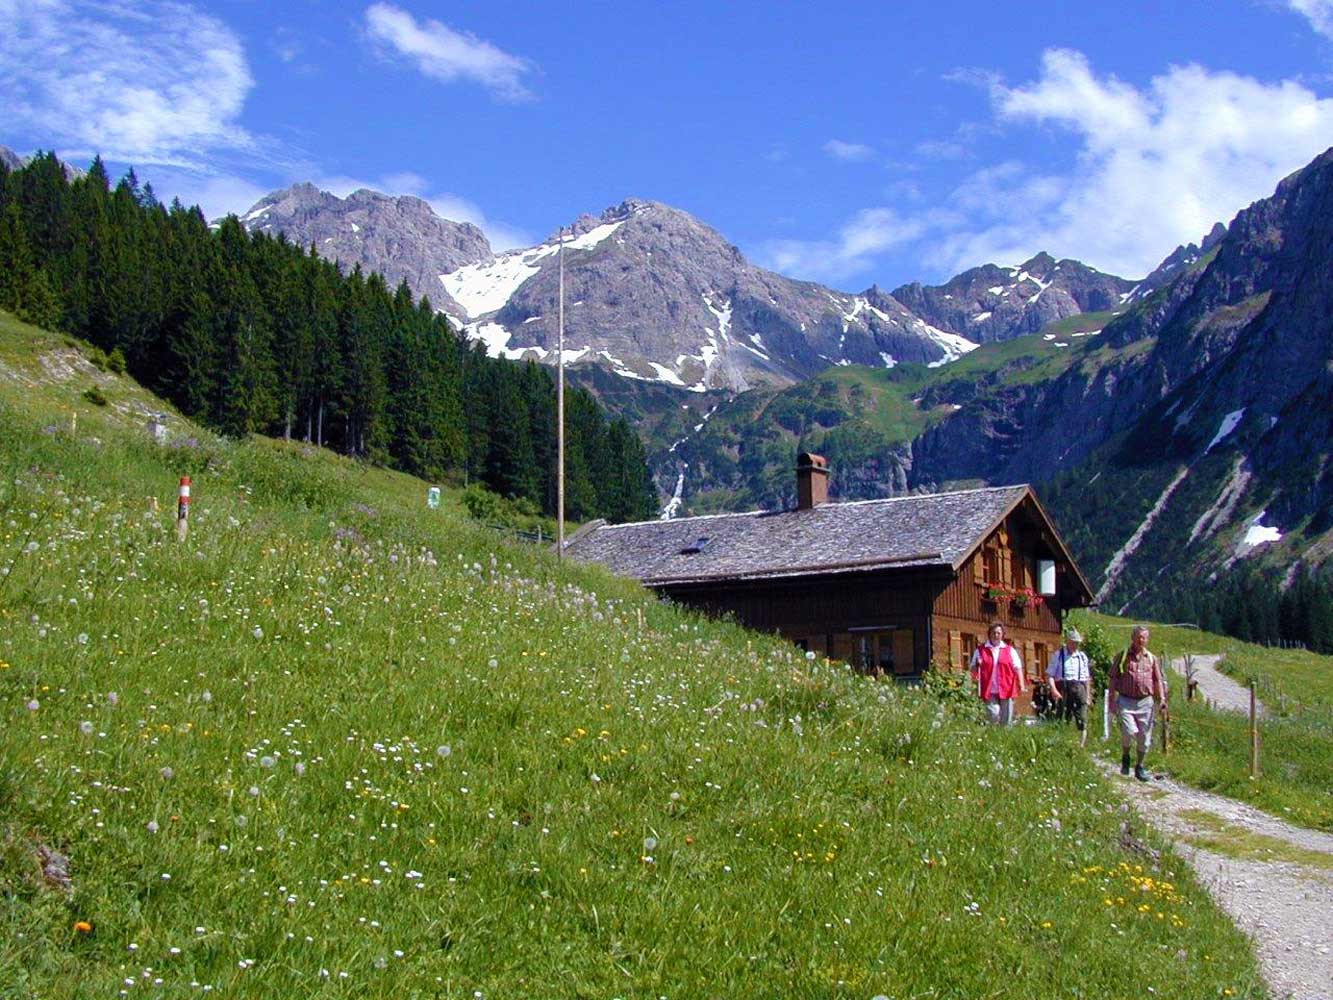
1124,764
1140,773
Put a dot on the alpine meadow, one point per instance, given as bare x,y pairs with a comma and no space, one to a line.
337,743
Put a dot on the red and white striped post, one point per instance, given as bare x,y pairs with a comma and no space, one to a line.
183,509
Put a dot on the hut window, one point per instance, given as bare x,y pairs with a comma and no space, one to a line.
699,545
994,574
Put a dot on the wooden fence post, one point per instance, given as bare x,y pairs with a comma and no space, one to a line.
1254,732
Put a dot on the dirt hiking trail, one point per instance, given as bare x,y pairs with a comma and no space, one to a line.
1275,880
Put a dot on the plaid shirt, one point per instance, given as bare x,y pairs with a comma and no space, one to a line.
1137,676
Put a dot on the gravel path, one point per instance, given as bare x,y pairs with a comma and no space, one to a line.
1286,907
1219,690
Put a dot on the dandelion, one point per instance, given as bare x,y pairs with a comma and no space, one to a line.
33,705
86,727
167,773
299,768
444,750
259,632
492,663
112,699
242,819
266,762
649,844
83,638
254,791
152,826
83,927
206,697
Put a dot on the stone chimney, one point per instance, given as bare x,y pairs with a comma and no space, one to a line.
811,480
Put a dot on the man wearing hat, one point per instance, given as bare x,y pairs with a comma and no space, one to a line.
1070,678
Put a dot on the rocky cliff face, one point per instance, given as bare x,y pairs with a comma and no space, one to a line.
400,237
10,159
997,303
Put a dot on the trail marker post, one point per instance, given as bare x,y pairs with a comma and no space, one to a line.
183,509
1254,732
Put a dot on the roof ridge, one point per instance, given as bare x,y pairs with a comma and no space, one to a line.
824,506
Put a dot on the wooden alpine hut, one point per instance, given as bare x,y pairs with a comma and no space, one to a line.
894,586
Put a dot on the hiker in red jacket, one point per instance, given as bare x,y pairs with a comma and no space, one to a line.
998,670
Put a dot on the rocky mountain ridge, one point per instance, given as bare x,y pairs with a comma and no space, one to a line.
997,303
655,295
399,236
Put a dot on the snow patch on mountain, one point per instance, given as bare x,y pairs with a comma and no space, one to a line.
953,344
1259,534
1229,424
484,288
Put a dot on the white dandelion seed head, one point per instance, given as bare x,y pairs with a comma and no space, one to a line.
112,698
444,750
649,844
242,819
299,768
33,705
83,638
152,826
254,791
258,632
86,727
266,762
492,663
206,697
166,773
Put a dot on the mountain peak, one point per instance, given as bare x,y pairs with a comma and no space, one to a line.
400,236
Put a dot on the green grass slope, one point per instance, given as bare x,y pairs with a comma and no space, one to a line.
1211,749
335,744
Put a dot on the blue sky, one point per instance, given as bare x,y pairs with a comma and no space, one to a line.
847,143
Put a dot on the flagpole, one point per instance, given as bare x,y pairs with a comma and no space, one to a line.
560,413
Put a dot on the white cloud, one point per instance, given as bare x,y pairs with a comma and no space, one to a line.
849,151
871,231
1154,167
216,194
502,235
150,83
1318,12
444,54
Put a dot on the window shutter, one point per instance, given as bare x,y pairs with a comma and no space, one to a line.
955,649
979,566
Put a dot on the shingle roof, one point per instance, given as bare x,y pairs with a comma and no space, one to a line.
937,529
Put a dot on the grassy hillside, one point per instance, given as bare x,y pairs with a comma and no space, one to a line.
1211,750
337,744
